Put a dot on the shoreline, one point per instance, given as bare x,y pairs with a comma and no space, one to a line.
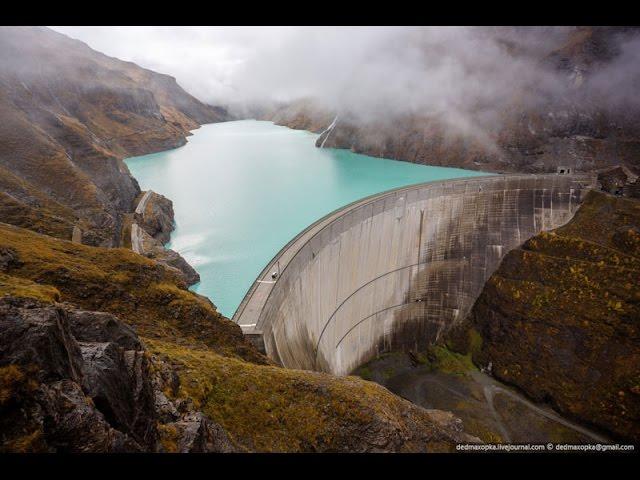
405,168
150,243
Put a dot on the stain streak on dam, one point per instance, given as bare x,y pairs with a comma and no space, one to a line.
397,269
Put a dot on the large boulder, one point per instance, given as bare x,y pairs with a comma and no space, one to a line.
156,216
72,423
49,379
80,381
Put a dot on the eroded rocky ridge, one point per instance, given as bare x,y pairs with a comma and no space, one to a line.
155,216
104,350
81,381
68,116
533,132
152,224
559,319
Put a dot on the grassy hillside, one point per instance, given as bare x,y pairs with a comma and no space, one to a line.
261,407
560,317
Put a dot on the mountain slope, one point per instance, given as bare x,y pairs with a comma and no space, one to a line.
68,116
560,317
583,117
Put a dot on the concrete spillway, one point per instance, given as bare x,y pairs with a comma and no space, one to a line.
397,269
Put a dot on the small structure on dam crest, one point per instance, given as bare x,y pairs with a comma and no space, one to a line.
397,269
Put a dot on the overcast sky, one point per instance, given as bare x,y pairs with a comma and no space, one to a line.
229,63
462,74
207,61
333,64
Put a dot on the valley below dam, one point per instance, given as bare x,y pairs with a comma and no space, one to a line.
242,189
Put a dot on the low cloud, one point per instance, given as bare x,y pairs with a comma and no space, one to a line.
465,75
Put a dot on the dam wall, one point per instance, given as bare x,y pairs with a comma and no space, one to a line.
396,270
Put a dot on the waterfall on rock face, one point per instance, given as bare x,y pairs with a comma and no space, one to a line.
328,131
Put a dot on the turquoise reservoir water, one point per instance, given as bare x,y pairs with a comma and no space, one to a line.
241,190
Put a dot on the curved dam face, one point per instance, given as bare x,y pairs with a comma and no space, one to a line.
398,269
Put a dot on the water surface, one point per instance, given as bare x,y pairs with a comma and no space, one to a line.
241,190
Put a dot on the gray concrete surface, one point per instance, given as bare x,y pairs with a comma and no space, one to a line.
395,270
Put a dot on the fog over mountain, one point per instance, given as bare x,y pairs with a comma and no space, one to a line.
411,67
466,76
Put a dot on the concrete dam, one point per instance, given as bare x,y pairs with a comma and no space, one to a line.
396,270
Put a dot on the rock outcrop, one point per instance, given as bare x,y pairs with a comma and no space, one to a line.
559,318
151,230
79,381
68,116
156,216
617,180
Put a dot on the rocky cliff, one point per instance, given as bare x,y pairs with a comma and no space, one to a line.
580,126
151,227
103,350
559,318
68,116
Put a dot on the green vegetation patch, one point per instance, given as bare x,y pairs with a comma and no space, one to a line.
268,408
441,359
20,287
